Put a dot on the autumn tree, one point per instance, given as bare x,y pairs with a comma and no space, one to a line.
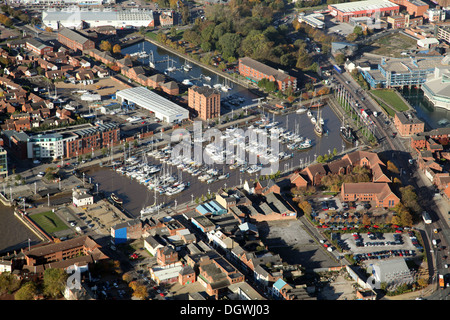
116,49
105,45
140,292
392,167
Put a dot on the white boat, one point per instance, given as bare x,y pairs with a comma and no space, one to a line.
313,120
321,121
187,82
253,169
225,88
301,110
207,78
309,113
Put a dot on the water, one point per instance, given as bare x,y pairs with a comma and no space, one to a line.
433,117
137,196
195,75
14,234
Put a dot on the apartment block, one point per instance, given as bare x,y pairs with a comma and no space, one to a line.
256,71
204,100
408,124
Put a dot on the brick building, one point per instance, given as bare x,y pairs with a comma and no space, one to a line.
204,100
74,40
81,251
38,47
380,193
407,124
415,8
255,71
92,139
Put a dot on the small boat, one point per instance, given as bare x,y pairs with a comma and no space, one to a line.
318,129
187,82
322,122
207,78
313,120
309,114
301,110
305,145
347,134
116,199
223,176
317,105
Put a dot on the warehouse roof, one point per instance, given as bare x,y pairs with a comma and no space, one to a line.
363,5
87,16
149,100
73,35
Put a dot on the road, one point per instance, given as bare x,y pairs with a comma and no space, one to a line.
396,149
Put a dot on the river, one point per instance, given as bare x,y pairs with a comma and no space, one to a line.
14,234
433,117
164,59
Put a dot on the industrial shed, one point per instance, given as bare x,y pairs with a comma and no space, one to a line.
163,109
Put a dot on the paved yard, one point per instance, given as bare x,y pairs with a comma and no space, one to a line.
294,244
338,289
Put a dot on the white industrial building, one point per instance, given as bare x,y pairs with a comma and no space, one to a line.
78,19
164,109
66,2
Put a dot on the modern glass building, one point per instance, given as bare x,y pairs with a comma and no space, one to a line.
3,163
45,146
396,72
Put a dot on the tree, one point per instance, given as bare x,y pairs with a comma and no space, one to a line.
26,292
105,45
116,49
8,283
304,60
352,37
228,44
140,292
340,58
392,167
55,281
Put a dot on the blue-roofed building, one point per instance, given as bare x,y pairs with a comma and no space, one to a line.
277,287
211,207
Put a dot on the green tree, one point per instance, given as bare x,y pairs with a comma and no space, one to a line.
54,282
8,283
228,44
340,58
26,292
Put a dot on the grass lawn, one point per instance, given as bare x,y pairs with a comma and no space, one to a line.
391,98
49,222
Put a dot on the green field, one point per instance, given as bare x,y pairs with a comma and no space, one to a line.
391,98
49,222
